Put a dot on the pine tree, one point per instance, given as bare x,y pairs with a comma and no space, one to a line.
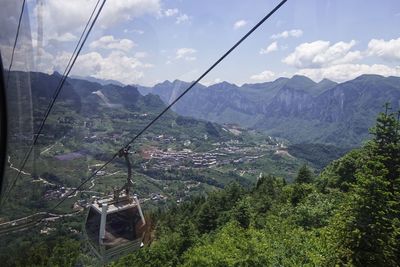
207,218
371,229
304,175
241,213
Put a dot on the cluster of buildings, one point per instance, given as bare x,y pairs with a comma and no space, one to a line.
157,197
182,159
57,192
229,152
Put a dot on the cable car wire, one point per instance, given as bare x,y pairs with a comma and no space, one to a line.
69,62
67,70
173,102
16,40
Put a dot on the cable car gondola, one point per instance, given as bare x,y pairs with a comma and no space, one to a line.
115,225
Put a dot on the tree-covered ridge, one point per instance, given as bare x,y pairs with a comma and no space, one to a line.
297,109
347,216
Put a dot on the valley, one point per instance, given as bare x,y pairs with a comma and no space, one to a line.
199,133
180,166
179,158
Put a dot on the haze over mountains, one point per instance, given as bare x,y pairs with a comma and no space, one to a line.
296,108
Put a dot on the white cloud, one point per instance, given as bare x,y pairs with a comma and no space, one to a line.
109,42
138,31
148,65
174,12
117,66
61,17
388,50
272,47
321,54
119,10
285,34
218,80
338,61
345,72
239,24
66,37
182,18
186,54
171,12
266,75
141,54
134,31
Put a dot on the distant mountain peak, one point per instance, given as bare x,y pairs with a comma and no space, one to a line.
56,73
97,80
280,79
302,78
327,82
166,82
369,76
176,81
130,87
224,84
299,82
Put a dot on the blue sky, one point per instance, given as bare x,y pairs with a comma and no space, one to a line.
149,41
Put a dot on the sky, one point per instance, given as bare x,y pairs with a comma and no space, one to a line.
148,41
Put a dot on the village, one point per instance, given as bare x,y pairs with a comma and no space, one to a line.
165,152
223,153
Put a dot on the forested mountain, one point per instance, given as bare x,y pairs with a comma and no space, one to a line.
298,108
83,100
347,216
96,80
177,157
88,124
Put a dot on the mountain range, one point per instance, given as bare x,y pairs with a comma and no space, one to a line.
296,108
85,108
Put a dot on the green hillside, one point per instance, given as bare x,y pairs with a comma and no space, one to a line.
297,109
90,122
347,216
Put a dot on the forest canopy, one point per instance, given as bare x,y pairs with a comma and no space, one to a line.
348,215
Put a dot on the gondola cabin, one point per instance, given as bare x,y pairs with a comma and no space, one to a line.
115,226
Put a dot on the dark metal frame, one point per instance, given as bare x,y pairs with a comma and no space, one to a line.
3,125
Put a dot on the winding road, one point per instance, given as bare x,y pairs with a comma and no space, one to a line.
27,222
16,169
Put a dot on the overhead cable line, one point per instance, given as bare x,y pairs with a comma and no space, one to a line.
59,86
15,40
173,102
15,44
66,72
